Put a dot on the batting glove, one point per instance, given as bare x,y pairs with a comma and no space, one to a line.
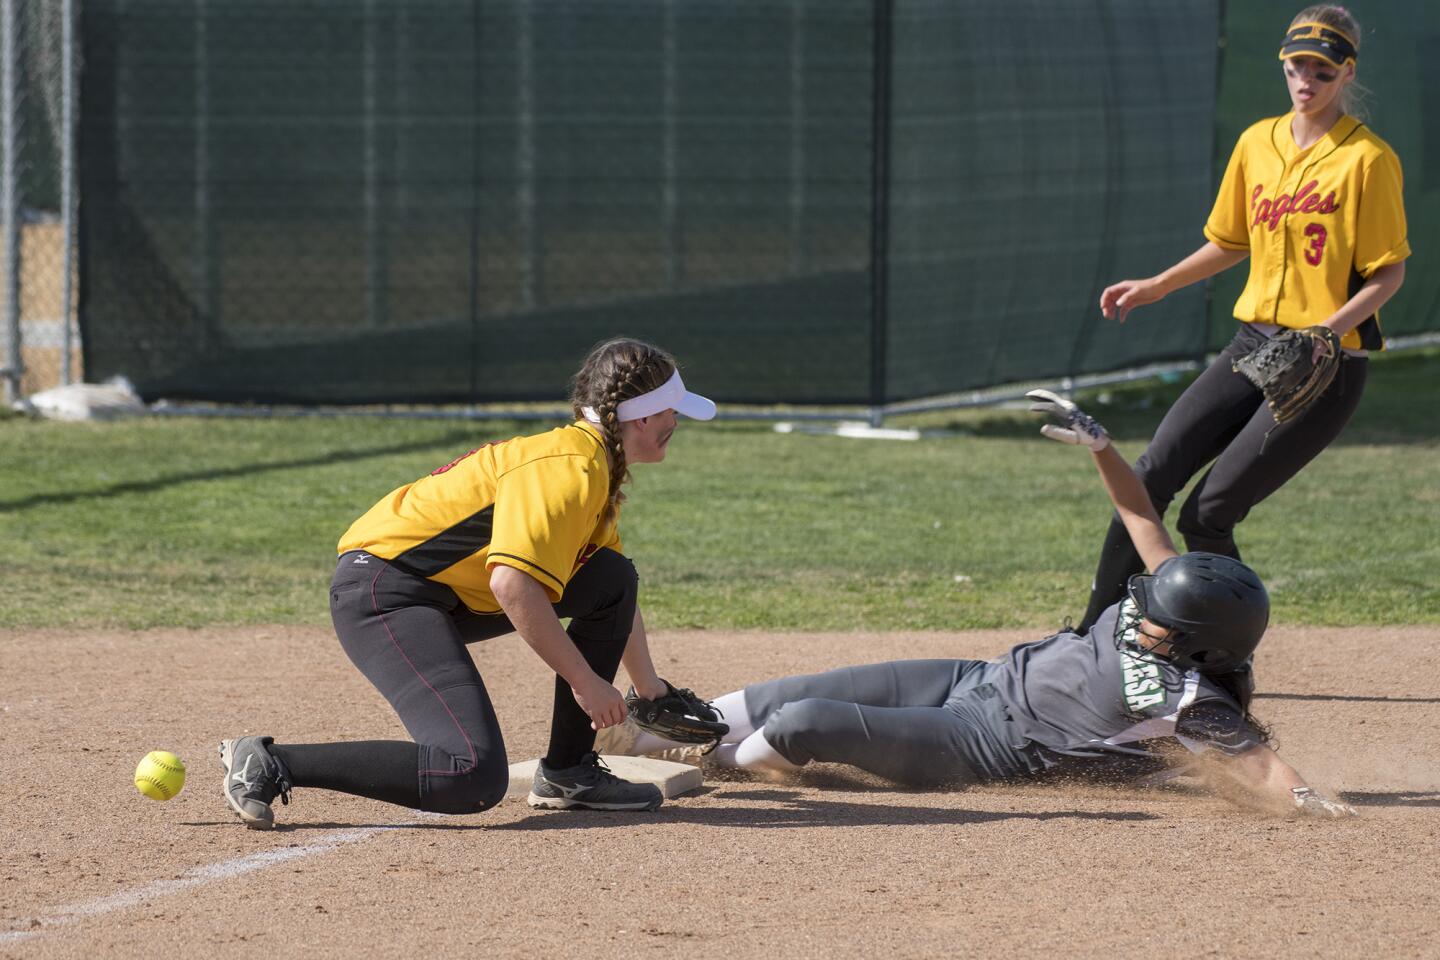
1311,804
1073,425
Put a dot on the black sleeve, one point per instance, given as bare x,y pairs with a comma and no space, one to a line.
1220,724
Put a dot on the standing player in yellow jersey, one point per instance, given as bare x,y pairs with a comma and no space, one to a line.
1313,198
512,536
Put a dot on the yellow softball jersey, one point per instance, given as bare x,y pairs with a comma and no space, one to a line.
533,503
1317,222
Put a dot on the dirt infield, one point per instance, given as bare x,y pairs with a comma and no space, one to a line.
828,866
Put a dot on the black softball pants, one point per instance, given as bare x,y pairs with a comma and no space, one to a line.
408,636
1223,418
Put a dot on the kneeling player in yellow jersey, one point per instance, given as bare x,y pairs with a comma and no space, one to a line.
510,537
1313,198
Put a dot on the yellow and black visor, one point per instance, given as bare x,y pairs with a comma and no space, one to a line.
1318,40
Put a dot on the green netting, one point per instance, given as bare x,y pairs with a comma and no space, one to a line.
847,201
429,201
1041,152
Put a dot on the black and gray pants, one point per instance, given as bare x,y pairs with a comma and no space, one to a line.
1223,418
408,636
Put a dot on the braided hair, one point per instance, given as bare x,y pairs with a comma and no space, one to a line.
615,371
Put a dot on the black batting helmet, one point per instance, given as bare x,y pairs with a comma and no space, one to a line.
1215,607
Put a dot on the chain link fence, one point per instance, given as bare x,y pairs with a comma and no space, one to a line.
848,202
38,276
862,202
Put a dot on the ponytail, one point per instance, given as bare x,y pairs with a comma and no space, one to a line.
613,372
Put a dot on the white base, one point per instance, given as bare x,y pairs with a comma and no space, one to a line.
672,778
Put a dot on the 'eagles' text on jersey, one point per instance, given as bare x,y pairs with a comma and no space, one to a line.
1317,222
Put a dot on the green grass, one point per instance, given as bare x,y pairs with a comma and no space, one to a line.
190,522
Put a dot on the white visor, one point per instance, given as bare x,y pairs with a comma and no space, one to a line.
671,396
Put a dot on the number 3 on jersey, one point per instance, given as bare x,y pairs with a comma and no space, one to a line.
1317,235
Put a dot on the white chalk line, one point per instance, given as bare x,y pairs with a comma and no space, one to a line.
195,877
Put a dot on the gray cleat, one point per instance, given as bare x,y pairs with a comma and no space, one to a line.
253,778
591,786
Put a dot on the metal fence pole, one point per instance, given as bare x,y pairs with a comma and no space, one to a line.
10,197
203,260
879,207
404,119
374,242
67,188
798,264
669,187
531,253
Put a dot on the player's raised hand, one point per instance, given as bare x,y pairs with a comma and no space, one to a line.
1072,425
1118,299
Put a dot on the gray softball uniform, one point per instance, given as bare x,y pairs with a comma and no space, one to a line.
1068,703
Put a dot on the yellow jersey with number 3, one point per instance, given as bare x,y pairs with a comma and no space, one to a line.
534,503
1317,222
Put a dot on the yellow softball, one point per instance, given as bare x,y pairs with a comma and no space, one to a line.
160,775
